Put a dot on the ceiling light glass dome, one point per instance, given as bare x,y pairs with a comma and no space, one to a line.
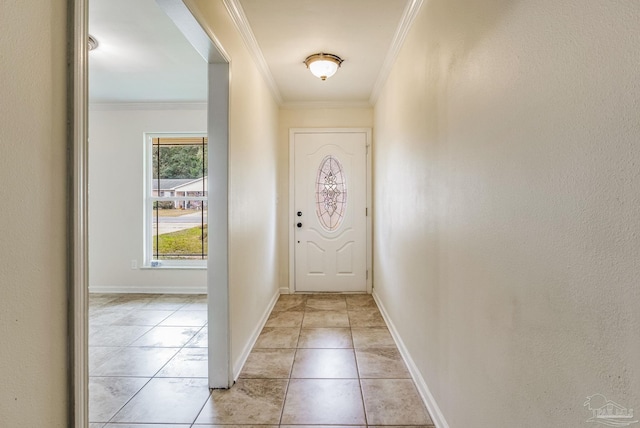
323,65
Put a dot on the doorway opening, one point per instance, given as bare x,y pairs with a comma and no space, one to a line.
219,370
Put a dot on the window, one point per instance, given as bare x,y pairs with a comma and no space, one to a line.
176,200
331,193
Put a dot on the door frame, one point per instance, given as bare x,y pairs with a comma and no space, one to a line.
291,217
205,42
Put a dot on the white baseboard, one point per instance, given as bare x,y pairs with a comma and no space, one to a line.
284,290
147,290
434,411
239,364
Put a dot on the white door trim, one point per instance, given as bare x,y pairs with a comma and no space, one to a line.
291,216
219,333
78,244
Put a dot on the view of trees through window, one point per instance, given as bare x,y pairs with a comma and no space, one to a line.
179,198
183,161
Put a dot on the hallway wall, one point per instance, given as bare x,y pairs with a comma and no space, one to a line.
33,254
253,156
116,197
507,207
305,118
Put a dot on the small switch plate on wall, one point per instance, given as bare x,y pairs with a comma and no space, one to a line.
134,264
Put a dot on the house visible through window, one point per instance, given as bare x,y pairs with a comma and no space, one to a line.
176,200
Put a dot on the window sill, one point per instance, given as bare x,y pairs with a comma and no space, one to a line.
173,267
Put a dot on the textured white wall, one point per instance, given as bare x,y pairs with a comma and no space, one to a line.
253,150
305,118
507,207
116,197
33,282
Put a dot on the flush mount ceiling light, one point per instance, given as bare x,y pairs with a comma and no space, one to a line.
93,43
323,65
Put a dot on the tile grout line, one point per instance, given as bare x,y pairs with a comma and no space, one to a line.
289,378
127,402
210,391
154,376
145,384
209,397
355,357
295,353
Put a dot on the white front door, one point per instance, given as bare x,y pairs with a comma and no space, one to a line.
330,210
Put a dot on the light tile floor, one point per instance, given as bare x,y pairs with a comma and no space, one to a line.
322,359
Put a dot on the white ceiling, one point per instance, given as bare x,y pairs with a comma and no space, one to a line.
143,57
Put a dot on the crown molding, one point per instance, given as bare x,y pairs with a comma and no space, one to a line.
294,105
147,106
242,24
409,15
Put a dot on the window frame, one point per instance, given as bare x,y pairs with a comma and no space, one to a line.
148,199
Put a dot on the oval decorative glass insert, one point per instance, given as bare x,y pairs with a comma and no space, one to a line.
331,193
